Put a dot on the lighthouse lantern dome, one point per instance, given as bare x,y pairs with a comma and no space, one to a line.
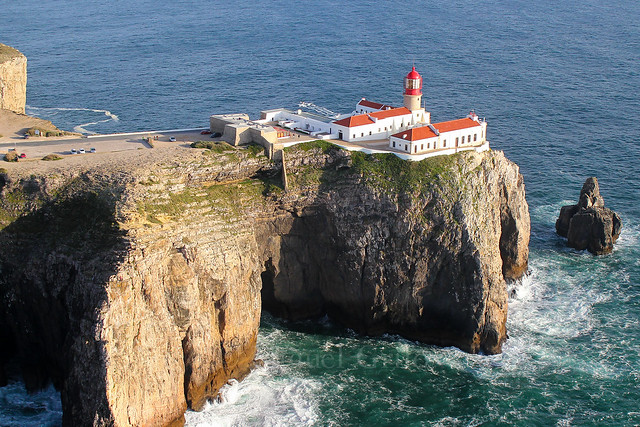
413,83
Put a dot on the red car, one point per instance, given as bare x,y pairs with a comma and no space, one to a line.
205,132
22,156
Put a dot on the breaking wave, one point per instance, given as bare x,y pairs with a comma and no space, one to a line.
81,128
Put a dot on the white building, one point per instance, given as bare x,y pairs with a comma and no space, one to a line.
452,136
408,129
369,121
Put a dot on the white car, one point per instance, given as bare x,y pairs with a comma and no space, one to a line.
81,151
74,151
172,139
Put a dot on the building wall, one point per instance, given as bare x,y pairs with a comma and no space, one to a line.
218,122
301,122
361,109
445,141
383,128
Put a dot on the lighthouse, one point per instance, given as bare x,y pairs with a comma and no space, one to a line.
413,90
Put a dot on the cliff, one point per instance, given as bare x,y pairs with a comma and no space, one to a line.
13,79
138,288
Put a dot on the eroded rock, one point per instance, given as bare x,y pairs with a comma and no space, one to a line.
588,224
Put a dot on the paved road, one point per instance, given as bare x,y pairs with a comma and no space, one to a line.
39,147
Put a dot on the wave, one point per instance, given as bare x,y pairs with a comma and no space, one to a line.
270,395
81,128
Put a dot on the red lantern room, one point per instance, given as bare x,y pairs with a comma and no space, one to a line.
413,83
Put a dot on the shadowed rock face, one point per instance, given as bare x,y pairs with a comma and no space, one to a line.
138,292
588,224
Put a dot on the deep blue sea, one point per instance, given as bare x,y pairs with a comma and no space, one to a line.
559,85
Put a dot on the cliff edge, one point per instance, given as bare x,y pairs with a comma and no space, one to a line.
13,79
137,289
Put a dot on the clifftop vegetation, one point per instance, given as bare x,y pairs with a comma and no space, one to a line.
7,53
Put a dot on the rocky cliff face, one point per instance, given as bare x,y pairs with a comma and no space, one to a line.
13,79
138,290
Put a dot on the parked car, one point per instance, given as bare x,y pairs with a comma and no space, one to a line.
205,132
22,155
26,136
93,150
216,135
11,149
74,151
172,139
81,151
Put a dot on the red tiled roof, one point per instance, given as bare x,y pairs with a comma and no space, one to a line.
372,104
425,132
364,119
455,125
394,112
416,134
359,120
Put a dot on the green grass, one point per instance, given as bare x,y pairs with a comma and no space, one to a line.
255,149
390,172
324,146
226,200
51,157
215,146
3,170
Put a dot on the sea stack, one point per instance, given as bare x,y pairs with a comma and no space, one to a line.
588,224
13,79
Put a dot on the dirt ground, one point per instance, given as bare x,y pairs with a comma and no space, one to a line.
13,125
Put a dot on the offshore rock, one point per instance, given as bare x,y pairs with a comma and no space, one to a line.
588,224
137,286
13,79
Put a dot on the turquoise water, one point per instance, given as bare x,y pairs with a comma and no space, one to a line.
558,83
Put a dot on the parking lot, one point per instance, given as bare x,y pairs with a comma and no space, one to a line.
36,148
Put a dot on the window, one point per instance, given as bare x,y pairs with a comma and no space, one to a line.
463,139
457,140
428,145
362,134
405,147
378,130
354,135
394,143
475,137
369,132
415,149
444,143
421,147
469,138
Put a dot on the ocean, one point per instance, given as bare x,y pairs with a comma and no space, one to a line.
558,83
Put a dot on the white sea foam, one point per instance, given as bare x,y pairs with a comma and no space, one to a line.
267,397
81,128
